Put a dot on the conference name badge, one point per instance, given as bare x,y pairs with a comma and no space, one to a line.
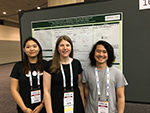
68,102
35,96
102,106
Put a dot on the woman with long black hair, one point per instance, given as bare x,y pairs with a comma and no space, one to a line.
27,79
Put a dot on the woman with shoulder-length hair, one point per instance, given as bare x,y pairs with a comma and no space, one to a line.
63,90
27,79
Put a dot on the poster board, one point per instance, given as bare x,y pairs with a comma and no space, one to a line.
84,32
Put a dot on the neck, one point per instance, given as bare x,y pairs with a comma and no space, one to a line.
101,66
64,60
32,60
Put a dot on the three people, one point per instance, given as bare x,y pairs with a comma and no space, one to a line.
27,79
63,90
104,84
61,80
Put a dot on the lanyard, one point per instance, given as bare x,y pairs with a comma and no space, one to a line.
63,74
30,78
97,82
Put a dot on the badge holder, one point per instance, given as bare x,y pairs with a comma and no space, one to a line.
68,101
68,95
35,96
102,106
35,93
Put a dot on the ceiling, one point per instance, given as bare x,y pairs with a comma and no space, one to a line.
11,7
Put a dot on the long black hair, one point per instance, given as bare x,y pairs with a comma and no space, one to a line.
26,63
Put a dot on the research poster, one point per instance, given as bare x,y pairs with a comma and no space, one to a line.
84,32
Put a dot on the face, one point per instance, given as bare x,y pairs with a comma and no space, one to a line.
101,54
64,49
31,49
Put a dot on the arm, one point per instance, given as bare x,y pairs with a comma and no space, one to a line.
80,85
14,91
47,91
121,99
86,91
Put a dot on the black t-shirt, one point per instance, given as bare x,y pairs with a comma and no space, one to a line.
24,84
57,89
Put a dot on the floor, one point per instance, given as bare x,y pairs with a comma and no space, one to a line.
7,104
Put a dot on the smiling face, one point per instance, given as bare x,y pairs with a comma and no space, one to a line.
101,55
31,49
64,49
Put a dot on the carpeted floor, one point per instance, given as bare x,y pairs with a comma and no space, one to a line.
8,105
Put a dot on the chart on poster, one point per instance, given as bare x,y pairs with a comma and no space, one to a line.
84,32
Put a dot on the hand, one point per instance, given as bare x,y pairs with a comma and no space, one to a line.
28,110
37,109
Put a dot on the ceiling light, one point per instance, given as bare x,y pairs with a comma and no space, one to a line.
4,13
38,7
